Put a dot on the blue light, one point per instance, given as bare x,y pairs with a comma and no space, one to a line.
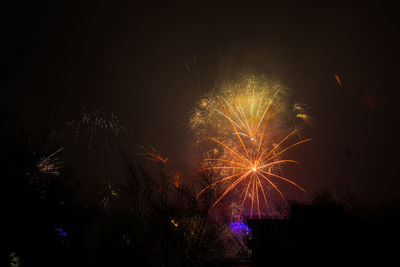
240,227
60,231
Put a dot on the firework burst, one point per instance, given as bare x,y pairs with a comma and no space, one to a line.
51,164
98,128
244,122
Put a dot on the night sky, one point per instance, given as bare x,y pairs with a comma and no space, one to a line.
133,59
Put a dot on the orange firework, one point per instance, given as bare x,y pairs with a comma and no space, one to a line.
246,119
153,155
177,179
338,79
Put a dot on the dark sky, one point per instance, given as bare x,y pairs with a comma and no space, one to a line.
129,59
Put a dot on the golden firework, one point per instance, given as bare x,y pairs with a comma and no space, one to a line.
244,121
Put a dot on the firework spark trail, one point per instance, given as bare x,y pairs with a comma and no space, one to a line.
262,190
221,180
155,157
152,154
245,196
272,150
244,176
240,139
298,143
223,160
269,104
338,79
51,164
247,155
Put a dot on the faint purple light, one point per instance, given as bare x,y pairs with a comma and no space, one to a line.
239,227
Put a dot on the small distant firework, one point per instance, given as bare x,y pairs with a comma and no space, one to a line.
245,121
177,179
175,223
97,125
301,114
60,231
338,79
152,154
50,165
110,192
